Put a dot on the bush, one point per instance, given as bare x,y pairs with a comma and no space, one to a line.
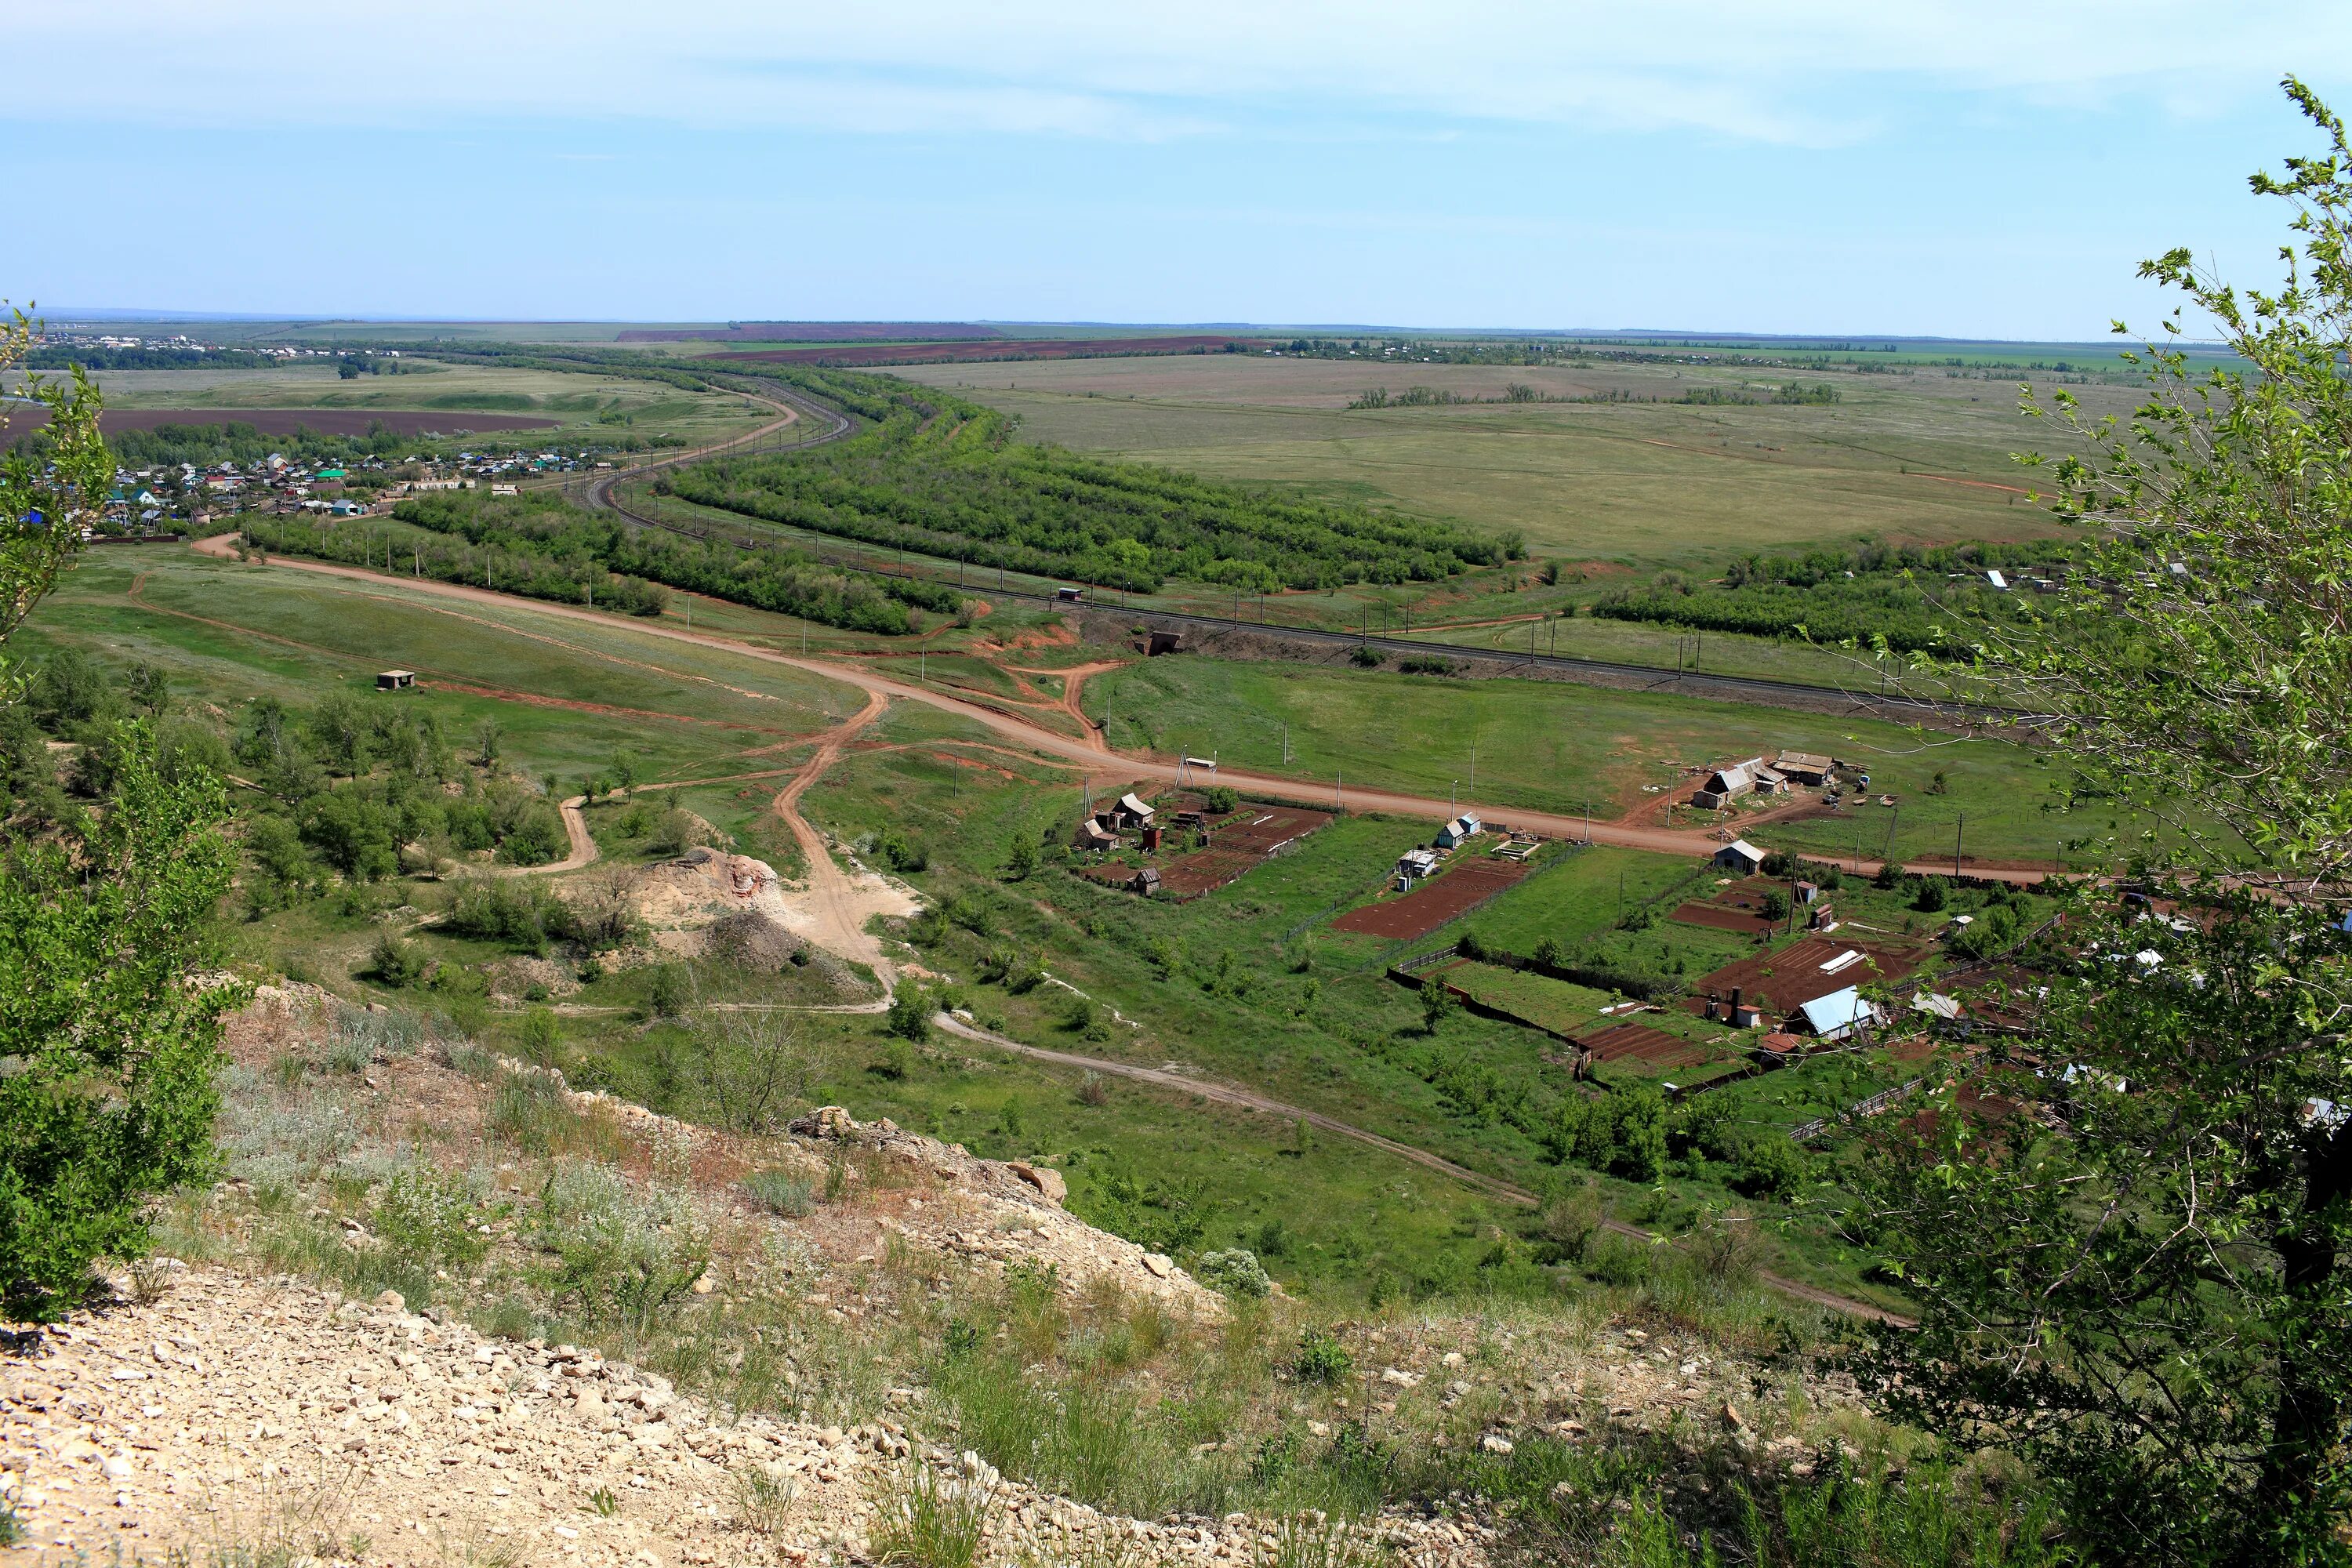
782,1192
1321,1359
1932,897
1221,798
626,1253
909,1017
1235,1271
498,911
1889,877
1364,658
671,992
394,962
1771,1166
428,1214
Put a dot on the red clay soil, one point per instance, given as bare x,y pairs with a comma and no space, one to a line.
1795,976
1641,1043
285,421
992,349
1718,918
1434,902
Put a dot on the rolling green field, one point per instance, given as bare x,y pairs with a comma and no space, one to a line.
580,405
1561,748
1920,457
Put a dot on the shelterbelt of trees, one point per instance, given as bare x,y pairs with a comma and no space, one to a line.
1916,599
543,547
935,473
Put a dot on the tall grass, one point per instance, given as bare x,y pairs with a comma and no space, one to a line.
926,1520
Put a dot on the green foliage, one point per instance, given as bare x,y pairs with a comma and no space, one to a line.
1235,1271
670,991
910,1016
626,1253
394,962
942,476
1436,1003
1221,798
785,1192
1321,1359
1932,896
110,1098
429,1215
1905,595
1623,1133
923,1518
1163,1216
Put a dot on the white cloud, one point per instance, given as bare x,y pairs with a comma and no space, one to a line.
1803,71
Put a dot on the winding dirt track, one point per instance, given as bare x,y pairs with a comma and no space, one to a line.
1099,764
834,895
832,899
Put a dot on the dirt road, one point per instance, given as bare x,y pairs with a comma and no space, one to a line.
1099,764
575,828
838,906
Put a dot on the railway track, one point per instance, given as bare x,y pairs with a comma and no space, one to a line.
1759,689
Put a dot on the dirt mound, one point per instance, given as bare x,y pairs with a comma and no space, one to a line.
752,940
702,886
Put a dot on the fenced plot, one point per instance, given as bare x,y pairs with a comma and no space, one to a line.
1434,902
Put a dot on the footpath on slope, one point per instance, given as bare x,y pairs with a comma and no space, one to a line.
1249,1100
1100,765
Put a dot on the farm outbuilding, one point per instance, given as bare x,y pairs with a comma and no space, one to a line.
1740,858
1415,866
1805,767
395,680
1726,784
1133,812
1458,832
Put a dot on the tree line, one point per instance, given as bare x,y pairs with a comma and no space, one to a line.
942,476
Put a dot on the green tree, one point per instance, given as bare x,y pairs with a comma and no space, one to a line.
109,1047
2138,1277
1437,1001
112,1048
910,1016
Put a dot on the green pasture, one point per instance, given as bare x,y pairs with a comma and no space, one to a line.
1557,747
1644,483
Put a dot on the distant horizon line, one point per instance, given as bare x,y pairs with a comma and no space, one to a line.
97,315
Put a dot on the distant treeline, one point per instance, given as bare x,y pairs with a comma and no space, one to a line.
1520,392
937,474
1906,595
235,441
570,546
57,356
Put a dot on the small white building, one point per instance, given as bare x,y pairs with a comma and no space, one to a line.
1740,858
1415,866
1458,832
1839,1014
1133,813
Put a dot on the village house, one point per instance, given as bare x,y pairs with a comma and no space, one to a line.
1133,815
1415,866
1805,767
1726,784
1740,858
1458,832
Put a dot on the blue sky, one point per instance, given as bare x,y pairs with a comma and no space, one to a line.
1989,168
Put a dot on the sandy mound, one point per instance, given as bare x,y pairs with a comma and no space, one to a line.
703,886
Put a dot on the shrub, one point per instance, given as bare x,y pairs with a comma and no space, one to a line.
671,992
394,962
1321,1358
1364,658
1221,798
1771,1166
1888,878
625,1253
909,1017
782,1192
1932,897
498,911
428,1214
1235,1271
1420,664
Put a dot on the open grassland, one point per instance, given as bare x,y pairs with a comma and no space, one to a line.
580,405
1564,748
567,696
1911,458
